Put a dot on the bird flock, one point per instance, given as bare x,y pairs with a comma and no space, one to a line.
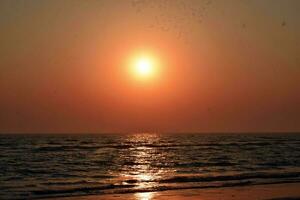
176,16
172,15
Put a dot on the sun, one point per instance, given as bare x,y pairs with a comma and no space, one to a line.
144,67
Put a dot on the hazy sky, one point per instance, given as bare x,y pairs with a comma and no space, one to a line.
226,65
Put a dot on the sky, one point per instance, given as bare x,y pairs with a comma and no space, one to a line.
224,66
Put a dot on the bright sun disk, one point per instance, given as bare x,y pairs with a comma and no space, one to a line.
144,67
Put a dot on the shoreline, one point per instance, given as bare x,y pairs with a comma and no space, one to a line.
280,191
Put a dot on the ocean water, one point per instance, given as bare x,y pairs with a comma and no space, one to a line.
43,166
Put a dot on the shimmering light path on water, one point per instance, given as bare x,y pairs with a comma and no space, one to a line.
38,166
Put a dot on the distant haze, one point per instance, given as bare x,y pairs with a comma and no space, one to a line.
227,65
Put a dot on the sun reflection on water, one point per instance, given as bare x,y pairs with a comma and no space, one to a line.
144,196
144,169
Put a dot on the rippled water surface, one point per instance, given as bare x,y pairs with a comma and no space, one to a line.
38,166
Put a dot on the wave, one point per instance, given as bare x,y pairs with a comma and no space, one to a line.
87,146
77,190
240,177
205,164
131,188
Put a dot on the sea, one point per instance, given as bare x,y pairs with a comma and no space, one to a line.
37,166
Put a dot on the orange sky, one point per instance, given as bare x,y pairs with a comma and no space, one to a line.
224,66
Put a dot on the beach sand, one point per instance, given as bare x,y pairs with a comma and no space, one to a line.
287,191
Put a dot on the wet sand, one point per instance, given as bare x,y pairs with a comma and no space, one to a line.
287,191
